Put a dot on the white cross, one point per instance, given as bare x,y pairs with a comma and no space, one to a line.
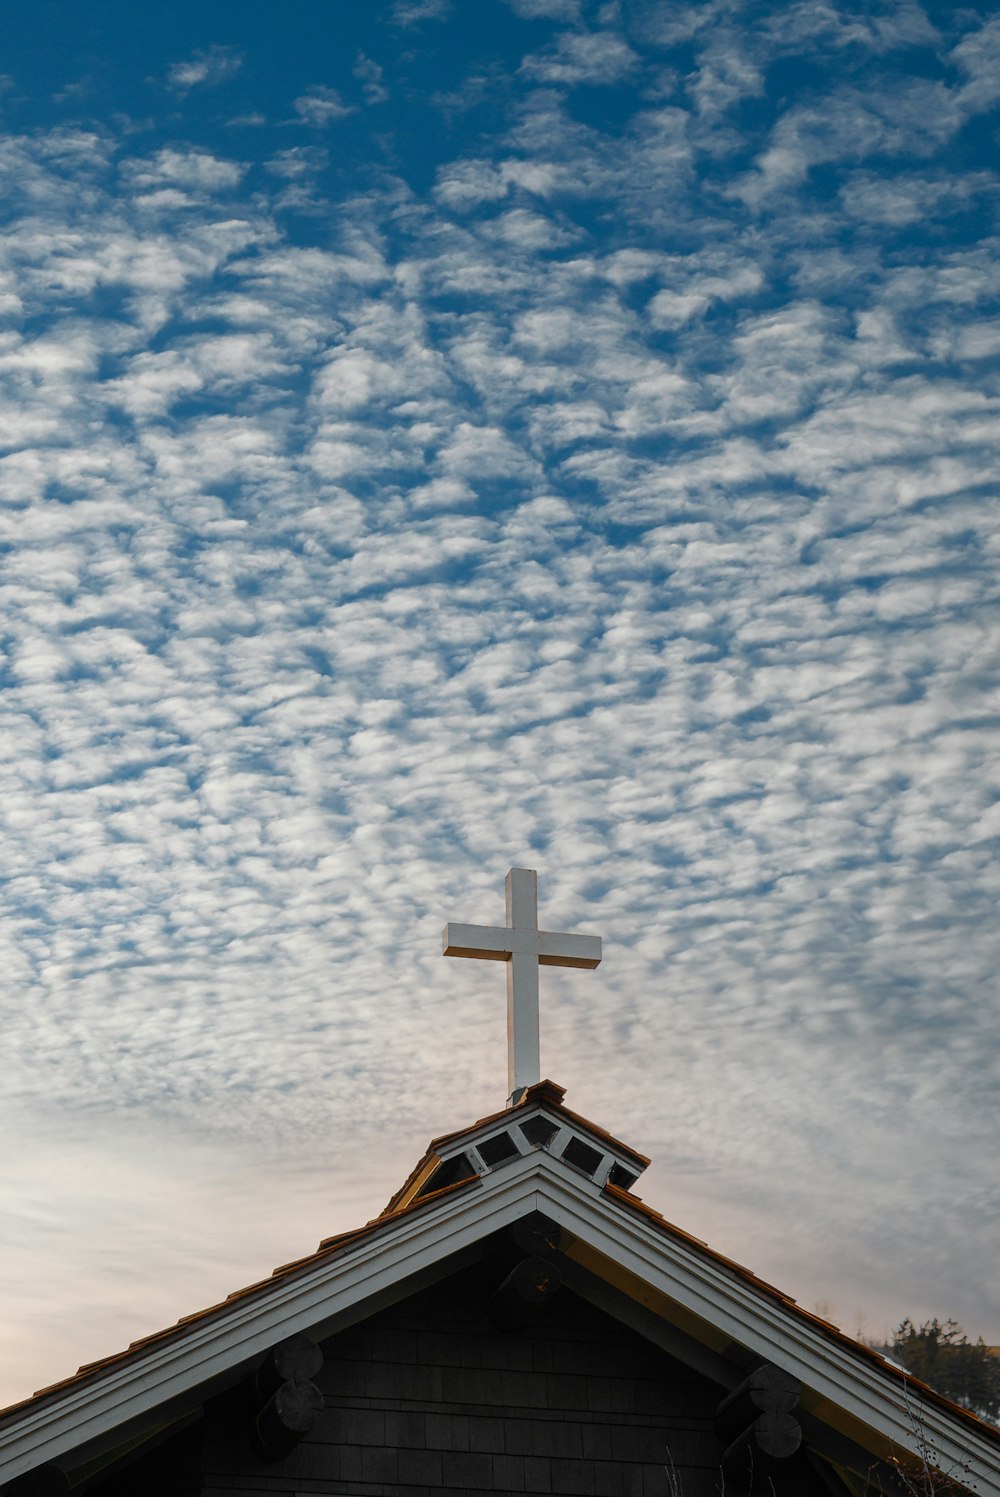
523,947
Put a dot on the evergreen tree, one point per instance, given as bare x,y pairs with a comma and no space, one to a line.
944,1357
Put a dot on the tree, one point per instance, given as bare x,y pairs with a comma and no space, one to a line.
943,1356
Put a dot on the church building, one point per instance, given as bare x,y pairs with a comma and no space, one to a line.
516,1320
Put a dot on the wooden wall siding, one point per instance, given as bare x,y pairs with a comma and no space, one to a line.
428,1397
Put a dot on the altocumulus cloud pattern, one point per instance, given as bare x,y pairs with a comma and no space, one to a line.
546,433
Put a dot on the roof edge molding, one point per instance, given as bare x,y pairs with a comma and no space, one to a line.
538,1122
605,1230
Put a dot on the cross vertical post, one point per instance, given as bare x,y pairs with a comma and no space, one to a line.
523,947
524,1065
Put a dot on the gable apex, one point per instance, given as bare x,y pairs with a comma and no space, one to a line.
538,1123
611,1247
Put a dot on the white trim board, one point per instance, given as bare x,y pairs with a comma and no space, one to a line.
356,1280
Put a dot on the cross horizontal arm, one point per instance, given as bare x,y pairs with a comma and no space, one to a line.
490,943
524,948
557,950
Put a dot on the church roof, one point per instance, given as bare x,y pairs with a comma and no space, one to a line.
536,1155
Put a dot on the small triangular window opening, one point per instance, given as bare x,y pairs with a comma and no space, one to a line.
623,1178
581,1156
448,1173
539,1132
498,1149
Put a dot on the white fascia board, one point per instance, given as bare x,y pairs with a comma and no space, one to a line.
750,1318
334,1289
243,1332
565,1130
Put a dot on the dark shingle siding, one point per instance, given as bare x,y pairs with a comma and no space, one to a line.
428,1397
578,1405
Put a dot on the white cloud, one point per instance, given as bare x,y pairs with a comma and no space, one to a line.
978,55
812,24
370,74
205,69
913,117
727,73
556,10
297,162
408,13
912,197
320,106
529,231
583,57
483,452
666,26
466,184
695,287
183,168
569,515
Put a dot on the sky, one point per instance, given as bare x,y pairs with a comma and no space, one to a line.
440,437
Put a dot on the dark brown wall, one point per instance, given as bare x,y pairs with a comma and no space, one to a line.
429,1397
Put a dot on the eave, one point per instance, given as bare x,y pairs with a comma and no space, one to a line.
609,1234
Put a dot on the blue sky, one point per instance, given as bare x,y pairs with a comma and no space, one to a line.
440,437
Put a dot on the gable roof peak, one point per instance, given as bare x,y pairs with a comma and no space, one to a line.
538,1123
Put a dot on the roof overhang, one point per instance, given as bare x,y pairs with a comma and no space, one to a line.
608,1234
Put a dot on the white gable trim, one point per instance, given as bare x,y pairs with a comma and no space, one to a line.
352,1281
724,1299
512,1122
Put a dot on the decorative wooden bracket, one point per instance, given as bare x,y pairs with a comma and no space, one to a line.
286,1397
757,1423
532,1243
537,1235
523,1293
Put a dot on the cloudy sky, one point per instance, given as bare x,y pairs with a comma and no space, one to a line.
444,436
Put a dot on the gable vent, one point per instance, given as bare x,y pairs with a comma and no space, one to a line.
582,1156
538,1132
624,1179
459,1167
496,1150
